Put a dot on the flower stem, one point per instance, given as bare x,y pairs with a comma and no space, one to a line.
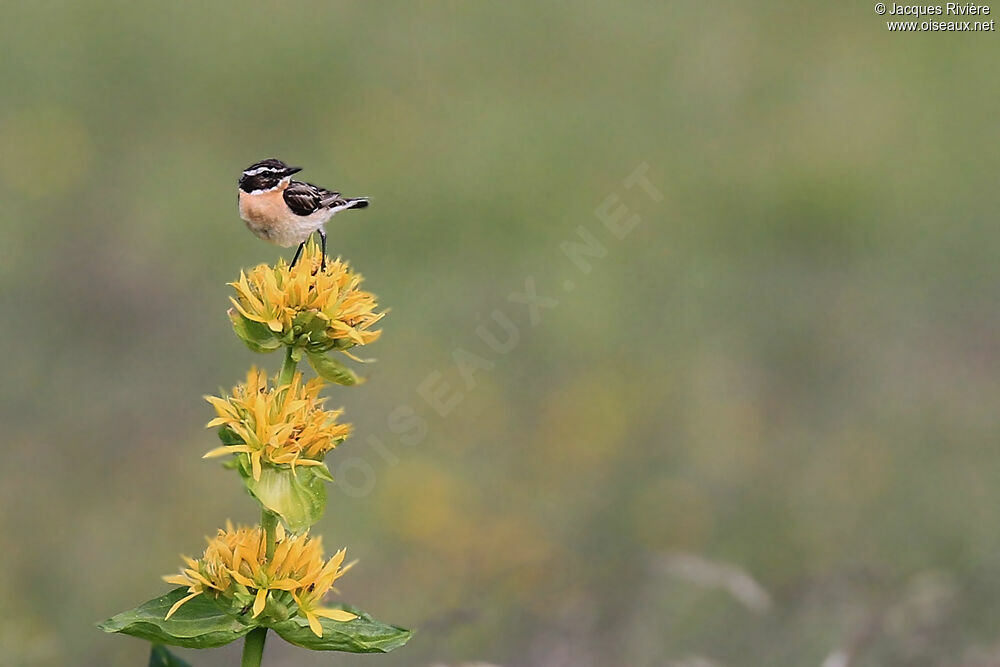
269,521
287,368
253,647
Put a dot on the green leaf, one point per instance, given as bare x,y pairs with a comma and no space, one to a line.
362,635
323,473
228,436
332,370
256,335
298,497
199,623
161,657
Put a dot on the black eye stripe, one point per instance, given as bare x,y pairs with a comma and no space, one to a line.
264,175
264,181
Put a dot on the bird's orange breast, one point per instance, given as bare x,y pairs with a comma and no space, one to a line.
264,208
269,218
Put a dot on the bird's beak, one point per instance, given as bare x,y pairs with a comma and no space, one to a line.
292,170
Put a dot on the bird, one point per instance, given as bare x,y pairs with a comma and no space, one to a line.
285,212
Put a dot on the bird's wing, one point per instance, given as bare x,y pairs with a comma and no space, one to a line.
329,199
302,198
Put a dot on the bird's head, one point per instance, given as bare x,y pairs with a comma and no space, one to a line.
266,175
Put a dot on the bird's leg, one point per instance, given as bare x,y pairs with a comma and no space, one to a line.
322,236
298,253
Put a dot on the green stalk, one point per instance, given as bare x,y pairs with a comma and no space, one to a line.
269,521
287,368
253,647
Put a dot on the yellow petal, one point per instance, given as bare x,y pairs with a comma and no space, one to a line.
250,316
314,624
280,551
177,605
348,354
194,574
217,402
337,559
285,584
225,449
259,602
242,579
348,567
335,614
255,462
240,430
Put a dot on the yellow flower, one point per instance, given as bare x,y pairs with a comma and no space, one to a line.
235,566
309,598
283,425
304,306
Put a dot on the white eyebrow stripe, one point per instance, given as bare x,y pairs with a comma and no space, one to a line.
261,170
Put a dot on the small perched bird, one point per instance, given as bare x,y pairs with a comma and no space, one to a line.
286,212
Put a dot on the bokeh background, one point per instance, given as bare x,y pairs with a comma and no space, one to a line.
761,430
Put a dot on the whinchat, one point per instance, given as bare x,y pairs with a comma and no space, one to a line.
286,212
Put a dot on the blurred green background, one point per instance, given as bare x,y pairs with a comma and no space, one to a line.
762,430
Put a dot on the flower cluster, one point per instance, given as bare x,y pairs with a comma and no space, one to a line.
276,432
281,425
236,570
305,306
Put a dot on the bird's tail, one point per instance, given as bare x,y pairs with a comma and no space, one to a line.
343,203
